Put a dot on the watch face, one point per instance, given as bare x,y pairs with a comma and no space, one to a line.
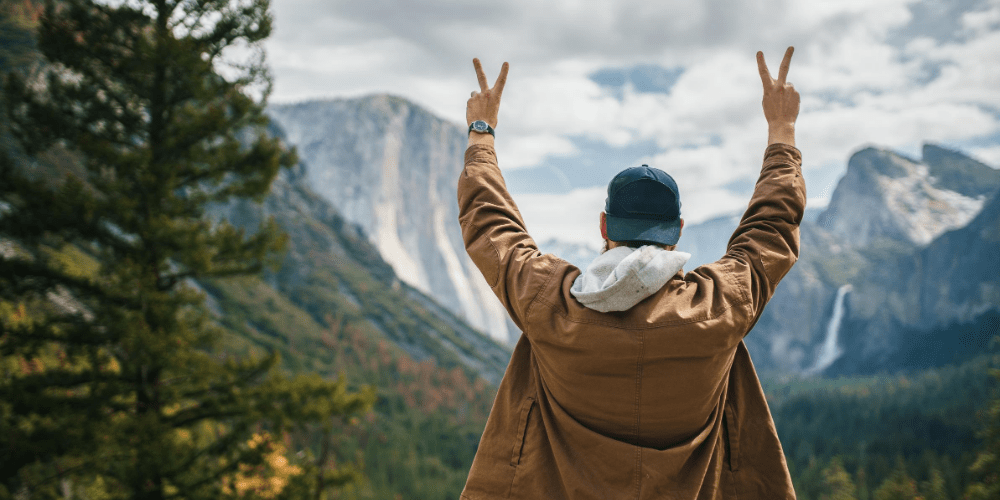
479,126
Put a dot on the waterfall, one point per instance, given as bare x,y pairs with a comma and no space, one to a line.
830,351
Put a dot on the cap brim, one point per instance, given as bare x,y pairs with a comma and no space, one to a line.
657,231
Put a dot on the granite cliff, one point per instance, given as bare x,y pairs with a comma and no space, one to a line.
391,167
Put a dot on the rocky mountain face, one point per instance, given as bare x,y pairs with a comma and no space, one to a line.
936,304
886,195
333,277
392,168
904,246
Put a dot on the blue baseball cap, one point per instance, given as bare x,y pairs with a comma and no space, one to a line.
643,204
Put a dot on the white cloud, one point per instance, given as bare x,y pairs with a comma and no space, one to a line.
528,150
571,217
982,20
829,135
989,155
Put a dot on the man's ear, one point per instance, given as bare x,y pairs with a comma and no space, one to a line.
682,228
604,226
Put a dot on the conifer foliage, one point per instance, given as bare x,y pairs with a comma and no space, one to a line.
112,385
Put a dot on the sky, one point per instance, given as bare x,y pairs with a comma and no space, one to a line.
595,87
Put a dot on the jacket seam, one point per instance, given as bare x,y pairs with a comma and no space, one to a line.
538,294
638,404
739,284
745,295
475,228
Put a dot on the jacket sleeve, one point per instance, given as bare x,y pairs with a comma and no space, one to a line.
766,243
496,238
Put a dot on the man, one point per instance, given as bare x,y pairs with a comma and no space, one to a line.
631,380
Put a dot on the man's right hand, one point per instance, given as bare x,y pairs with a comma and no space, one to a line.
781,101
485,104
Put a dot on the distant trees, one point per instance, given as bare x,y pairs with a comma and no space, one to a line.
837,483
112,382
898,486
987,464
892,435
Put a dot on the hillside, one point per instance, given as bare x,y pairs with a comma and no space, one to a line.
928,420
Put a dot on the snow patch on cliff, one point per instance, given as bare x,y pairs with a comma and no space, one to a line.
924,211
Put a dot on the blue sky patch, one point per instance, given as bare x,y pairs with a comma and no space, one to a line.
643,78
594,165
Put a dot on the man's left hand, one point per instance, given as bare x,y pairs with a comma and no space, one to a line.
485,104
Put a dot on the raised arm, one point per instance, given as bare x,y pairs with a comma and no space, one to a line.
766,244
494,232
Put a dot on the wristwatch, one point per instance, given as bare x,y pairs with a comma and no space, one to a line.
481,127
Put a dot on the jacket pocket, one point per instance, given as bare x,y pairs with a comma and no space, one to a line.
522,426
732,436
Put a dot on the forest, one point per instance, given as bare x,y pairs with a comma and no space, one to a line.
152,347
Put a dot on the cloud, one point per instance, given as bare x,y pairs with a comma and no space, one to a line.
639,78
989,155
571,217
529,150
437,39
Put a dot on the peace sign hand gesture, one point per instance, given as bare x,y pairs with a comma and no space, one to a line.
781,101
485,104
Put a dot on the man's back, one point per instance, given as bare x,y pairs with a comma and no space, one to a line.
655,400
630,404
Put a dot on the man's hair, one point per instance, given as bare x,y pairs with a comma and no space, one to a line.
638,243
631,244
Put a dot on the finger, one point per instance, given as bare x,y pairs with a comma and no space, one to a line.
473,94
785,63
501,80
765,76
483,86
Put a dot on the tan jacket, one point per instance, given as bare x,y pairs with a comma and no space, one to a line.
659,401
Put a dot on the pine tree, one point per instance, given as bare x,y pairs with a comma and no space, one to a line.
898,486
837,484
112,382
934,487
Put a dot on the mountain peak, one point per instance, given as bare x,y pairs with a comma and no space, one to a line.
886,195
957,172
879,161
